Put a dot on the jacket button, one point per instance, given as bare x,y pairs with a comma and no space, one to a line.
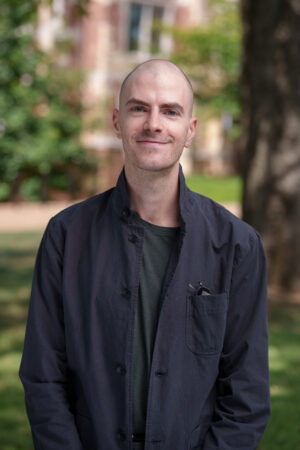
126,212
121,370
132,238
126,292
121,435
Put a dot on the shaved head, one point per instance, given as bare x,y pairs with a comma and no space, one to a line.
154,119
156,67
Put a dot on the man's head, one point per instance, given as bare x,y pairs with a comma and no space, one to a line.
155,66
154,119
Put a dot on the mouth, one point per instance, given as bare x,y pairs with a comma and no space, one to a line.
151,142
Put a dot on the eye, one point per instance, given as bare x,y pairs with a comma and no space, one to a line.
171,112
137,108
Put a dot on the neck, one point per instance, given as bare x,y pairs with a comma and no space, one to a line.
154,196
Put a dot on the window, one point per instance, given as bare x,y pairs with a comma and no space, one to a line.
143,35
134,27
158,12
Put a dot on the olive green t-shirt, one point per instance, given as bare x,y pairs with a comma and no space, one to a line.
157,248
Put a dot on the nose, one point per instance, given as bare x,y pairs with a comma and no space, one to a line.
153,121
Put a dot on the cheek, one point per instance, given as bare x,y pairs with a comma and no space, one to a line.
180,133
130,128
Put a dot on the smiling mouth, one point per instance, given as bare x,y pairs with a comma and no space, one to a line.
149,141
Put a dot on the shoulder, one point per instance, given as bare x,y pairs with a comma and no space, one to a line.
218,215
81,214
223,226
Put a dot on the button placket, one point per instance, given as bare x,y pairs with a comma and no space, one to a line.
126,292
121,369
121,435
132,238
126,213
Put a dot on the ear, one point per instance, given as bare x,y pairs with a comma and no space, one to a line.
191,131
115,119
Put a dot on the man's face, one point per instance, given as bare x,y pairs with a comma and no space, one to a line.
154,120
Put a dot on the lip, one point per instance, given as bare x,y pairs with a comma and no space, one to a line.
149,141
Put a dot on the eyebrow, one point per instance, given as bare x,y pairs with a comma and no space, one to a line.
172,105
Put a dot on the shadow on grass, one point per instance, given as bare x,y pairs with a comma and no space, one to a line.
283,430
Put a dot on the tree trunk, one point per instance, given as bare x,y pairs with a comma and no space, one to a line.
271,133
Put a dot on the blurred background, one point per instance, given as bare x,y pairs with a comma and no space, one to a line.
61,66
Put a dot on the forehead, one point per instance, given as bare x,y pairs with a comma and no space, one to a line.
162,86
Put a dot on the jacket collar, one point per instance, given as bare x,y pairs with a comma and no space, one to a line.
121,201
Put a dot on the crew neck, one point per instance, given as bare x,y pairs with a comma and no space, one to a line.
156,228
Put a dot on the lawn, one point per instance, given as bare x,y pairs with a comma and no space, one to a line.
17,252
221,190
283,430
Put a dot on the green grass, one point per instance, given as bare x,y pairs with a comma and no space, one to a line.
283,430
17,254
221,190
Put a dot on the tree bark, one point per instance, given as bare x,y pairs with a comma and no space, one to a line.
271,133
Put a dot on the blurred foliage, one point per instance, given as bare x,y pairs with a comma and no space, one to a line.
40,110
211,57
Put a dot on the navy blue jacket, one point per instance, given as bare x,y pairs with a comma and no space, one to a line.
209,386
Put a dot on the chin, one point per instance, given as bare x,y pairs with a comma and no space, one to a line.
157,166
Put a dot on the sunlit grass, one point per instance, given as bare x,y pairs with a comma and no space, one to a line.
17,255
221,190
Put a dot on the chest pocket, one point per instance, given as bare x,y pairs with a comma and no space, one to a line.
205,323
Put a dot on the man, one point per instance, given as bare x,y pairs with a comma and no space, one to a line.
147,321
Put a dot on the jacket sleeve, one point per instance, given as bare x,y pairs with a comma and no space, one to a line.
43,370
242,405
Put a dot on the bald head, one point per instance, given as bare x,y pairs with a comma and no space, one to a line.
157,67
